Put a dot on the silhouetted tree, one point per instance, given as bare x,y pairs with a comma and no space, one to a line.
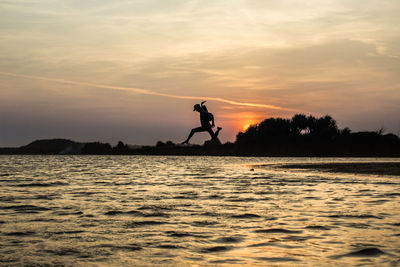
96,148
323,128
121,148
169,144
345,131
120,145
381,131
160,144
300,124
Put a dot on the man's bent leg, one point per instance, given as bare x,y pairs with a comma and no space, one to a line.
217,132
192,132
211,132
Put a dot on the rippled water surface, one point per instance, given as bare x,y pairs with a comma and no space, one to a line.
184,211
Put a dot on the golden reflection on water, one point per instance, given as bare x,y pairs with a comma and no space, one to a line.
131,210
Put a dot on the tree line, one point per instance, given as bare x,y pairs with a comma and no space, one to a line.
299,136
308,135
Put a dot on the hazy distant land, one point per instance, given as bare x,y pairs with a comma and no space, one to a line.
300,136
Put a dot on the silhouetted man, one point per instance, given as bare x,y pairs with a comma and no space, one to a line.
205,118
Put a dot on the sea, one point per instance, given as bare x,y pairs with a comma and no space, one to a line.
194,211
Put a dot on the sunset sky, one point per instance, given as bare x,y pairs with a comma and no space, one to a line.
100,70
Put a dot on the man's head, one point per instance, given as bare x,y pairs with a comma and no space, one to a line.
197,107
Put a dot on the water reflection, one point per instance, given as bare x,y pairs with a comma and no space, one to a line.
116,210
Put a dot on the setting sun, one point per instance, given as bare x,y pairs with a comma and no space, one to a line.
247,125
249,121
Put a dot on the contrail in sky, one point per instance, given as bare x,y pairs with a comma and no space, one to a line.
145,91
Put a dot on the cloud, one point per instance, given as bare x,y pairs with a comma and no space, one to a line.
146,91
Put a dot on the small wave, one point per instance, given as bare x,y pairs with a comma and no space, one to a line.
338,199
185,197
385,183
103,182
85,193
20,233
215,197
316,198
377,202
245,216
390,195
122,183
262,192
229,239
184,234
243,199
64,252
351,216
169,246
178,234
226,261
216,249
65,213
143,223
318,227
41,219
209,214
68,232
41,184
365,190
114,212
365,252
300,238
277,230
88,215
119,212
155,214
155,207
204,223
136,213
129,247
24,208
276,259
47,197
261,244
357,225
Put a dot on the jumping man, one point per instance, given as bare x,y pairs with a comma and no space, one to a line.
205,118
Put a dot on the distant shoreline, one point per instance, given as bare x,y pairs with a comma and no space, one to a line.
215,155
301,136
376,168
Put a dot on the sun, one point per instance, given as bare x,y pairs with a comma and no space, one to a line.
242,121
247,124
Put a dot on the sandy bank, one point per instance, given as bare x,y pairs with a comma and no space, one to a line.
383,168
